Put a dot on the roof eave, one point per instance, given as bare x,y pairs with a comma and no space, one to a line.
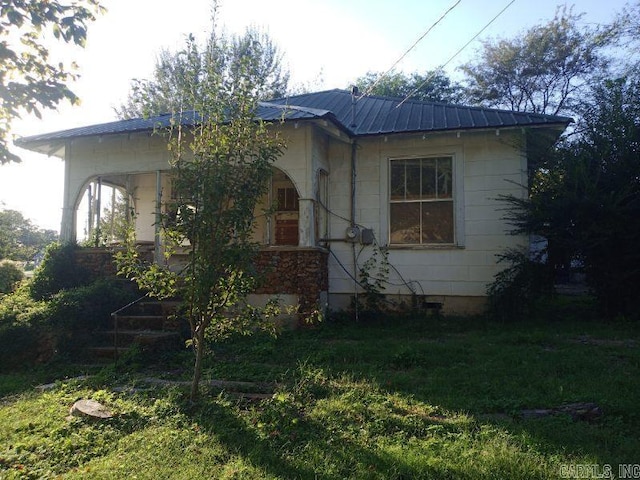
50,146
559,127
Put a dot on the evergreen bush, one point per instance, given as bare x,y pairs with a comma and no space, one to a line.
10,275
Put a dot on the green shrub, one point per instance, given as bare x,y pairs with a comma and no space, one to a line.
19,308
37,330
76,313
10,275
57,311
519,289
58,271
22,330
88,307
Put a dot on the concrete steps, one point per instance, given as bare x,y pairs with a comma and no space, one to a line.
139,322
106,352
149,325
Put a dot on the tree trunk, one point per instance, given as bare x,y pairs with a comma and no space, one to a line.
197,369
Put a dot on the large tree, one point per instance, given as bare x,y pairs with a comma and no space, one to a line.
626,28
586,202
172,85
20,240
544,70
431,86
29,80
221,164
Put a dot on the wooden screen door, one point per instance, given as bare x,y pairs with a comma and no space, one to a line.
286,227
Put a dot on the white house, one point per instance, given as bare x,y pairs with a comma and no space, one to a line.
420,179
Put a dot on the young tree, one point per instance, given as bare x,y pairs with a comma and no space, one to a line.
433,86
29,80
221,164
165,91
543,70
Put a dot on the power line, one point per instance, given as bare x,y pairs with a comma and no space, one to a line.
370,89
414,91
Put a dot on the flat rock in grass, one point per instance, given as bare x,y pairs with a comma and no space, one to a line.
90,409
585,411
51,386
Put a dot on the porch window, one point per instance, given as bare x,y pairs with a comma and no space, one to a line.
421,204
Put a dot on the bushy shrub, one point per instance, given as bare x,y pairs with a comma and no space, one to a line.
76,313
10,275
88,307
519,289
36,330
22,328
18,308
58,271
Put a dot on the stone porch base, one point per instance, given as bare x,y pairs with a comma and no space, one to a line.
292,273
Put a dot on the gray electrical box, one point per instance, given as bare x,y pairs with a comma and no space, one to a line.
366,236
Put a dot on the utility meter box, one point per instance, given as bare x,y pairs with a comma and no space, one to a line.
366,236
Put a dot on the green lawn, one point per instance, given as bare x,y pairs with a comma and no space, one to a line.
398,399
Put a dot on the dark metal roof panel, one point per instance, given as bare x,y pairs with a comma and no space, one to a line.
120,126
402,121
382,115
266,112
373,115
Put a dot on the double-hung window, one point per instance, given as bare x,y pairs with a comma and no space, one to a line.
421,201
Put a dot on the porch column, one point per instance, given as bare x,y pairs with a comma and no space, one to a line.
67,230
306,223
159,256
68,221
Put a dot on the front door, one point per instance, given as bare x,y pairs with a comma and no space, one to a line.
286,217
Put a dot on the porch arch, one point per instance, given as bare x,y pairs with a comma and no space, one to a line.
278,213
140,192
90,200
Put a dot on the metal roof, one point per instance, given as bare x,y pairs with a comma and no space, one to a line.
266,111
385,115
373,116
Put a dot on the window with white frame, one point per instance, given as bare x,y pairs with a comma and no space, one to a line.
421,201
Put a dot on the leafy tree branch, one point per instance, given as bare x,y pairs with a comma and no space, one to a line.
29,80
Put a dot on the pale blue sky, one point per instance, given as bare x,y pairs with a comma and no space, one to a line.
327,43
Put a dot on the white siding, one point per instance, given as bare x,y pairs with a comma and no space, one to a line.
486,166
132,154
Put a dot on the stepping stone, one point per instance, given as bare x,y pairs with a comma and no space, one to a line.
90,408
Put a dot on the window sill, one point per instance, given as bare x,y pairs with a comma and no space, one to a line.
425,247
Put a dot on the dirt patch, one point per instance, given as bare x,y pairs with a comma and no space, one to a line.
243,390
604,342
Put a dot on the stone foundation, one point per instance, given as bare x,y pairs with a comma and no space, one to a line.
97,261
295,271
291,272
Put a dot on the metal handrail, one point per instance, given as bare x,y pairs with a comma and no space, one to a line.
114,316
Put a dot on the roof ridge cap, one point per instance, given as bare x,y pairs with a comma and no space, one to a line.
284,106
287,97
